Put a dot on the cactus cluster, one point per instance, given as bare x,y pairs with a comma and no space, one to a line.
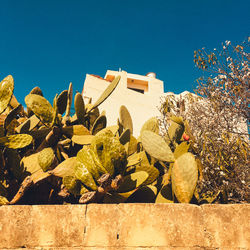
50,156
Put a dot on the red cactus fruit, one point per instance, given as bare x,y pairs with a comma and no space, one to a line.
186,137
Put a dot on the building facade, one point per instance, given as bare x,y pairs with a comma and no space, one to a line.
140,94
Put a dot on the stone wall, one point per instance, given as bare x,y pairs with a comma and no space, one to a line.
125,226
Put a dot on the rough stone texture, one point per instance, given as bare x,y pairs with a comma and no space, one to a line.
227,225
177,225
125,226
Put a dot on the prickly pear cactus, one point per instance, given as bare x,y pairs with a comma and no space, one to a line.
152,125
16,141
85,157
109,151
41,107
79,108
125,119
107,92
6,91
82,174
156,146
72,184
46,158
184,177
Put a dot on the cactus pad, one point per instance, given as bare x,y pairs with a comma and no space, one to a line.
46,158
72,184
16,141
82,139
151,125
125,119
107,92
85,157
62,102
132,181
6,91
41,107
82,174
109,151
99,124
156,146
65,168
184,177
79,107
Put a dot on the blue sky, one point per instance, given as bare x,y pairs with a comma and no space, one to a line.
52,42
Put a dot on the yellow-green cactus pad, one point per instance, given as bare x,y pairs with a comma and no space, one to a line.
85,157
46,158
181,149
28,125
177,119
175,131
110,151
3,200
41,107
184,177
79,107
75,130
107,92
82,139
65,168
156,146
99,124
62,102
125,119
16,141
82,174
30,163
152,125
6,91
144,194
132,181
72,184
165,195
144,165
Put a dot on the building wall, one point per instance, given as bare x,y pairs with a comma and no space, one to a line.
141,106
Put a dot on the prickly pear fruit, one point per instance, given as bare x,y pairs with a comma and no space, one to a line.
185,137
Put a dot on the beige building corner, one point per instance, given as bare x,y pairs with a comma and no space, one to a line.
140,94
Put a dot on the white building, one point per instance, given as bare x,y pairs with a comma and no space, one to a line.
140,94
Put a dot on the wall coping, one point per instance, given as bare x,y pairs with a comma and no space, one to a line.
125,226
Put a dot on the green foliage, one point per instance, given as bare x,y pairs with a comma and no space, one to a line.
78,159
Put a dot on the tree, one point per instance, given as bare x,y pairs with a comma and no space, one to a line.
218,121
